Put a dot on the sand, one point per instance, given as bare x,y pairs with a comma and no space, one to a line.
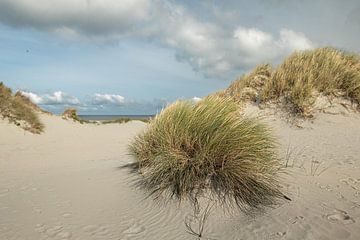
67,184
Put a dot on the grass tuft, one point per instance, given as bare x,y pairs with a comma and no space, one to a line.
189,149
19,110
71,113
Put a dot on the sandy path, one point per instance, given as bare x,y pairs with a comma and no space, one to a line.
67,184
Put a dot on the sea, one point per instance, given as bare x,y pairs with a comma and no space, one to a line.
113,117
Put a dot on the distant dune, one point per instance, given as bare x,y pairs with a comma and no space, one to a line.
19,110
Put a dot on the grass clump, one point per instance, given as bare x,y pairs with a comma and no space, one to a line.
300,79
189,149
19,110
71,113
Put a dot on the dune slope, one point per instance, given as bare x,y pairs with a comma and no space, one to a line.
66,184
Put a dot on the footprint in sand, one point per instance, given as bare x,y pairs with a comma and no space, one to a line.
353,183
280,234
56,232
296,219
339,216
52,232
134,230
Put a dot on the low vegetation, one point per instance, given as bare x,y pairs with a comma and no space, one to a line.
299,80
194,148
19,110
71,113
126,119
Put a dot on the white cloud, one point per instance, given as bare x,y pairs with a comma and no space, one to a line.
56,98
213,48
258,46
252,38
33,97
196,99
108,99
294,40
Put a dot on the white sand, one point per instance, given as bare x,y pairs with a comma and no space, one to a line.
66,184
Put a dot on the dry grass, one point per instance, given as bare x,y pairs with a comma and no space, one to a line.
190,148
19,110
301,78
248,87
71,113
304,74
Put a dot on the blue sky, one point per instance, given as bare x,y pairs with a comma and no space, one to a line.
135,56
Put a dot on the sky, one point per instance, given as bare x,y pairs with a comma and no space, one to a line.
136,56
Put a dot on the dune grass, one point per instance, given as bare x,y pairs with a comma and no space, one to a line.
301,78
19,110
71,113
126,120
190,149
248,86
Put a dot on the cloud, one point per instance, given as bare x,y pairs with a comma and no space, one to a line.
196,99
216,49
212,47
252,38
58,101
33,97
258,46
56,98
294,41
108,99
84,17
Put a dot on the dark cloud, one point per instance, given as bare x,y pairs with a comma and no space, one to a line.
84,17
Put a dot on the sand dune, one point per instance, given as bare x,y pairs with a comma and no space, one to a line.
67,184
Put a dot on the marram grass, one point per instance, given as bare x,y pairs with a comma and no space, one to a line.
18,109
190,149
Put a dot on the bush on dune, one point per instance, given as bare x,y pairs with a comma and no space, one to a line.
301,77
71,113
19,110
190,149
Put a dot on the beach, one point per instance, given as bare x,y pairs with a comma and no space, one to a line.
68,183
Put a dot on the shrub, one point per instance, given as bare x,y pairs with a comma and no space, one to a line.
190,149
19,110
